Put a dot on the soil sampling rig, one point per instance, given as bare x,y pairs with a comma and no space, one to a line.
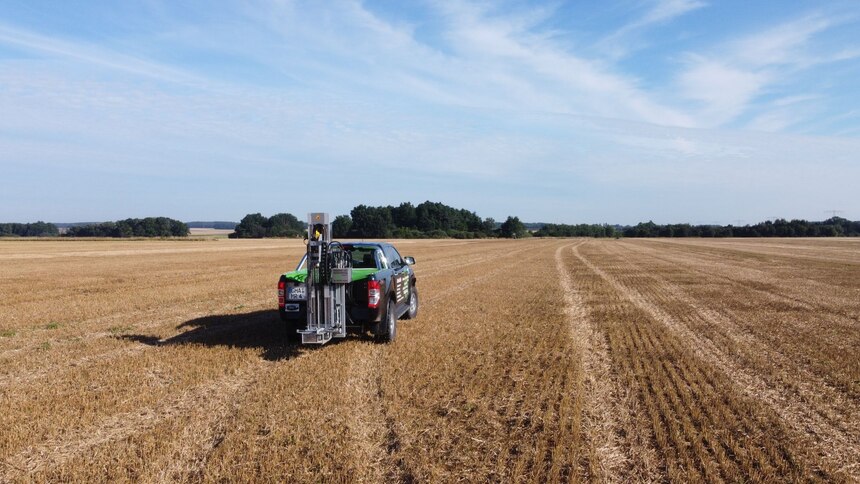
354,287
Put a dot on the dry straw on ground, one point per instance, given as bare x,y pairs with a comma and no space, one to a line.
532,360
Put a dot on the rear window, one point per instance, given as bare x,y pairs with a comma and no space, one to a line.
363,257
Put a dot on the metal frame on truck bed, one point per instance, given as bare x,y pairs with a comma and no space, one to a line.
354,287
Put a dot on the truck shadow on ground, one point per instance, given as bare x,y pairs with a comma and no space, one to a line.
261,330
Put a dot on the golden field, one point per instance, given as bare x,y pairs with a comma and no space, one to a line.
530,360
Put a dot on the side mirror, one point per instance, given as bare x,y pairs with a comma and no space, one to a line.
410,261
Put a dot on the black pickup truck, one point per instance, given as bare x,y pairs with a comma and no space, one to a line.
381,292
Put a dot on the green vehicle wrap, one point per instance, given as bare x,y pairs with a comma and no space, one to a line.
357,275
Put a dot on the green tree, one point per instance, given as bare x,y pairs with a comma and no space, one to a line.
488,227
404,215
341,226
371,222
252,226
512,228
283,225
132,227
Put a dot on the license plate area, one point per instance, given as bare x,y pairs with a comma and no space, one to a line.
296,293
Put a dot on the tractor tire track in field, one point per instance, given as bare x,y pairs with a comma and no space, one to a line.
117,427
832,444
368,428
601,388
374,432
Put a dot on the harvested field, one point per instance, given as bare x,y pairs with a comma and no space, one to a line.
531,360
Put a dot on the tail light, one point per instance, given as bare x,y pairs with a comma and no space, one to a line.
281,287
373,293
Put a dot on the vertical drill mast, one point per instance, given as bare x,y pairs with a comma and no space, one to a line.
329,274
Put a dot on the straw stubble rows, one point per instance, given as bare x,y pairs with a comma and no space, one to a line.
531,360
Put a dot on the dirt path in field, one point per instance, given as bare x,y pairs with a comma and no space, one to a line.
833,443
602,393
77,442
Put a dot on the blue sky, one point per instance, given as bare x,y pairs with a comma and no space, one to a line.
583,111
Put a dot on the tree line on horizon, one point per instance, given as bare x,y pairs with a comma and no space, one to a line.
577,230
832,227
406,221
132,227
434,220
36,229
425,220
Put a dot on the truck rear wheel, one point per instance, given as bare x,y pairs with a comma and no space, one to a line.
389,325
412,312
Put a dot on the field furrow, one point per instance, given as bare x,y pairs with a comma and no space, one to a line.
685,388
779,335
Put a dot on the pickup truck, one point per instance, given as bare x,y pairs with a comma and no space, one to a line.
382,291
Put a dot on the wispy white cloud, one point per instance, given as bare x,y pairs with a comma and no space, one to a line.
724,91
664,10
785,44
727,81
795,99
94,54
576,84
628,38
774,121
783,113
